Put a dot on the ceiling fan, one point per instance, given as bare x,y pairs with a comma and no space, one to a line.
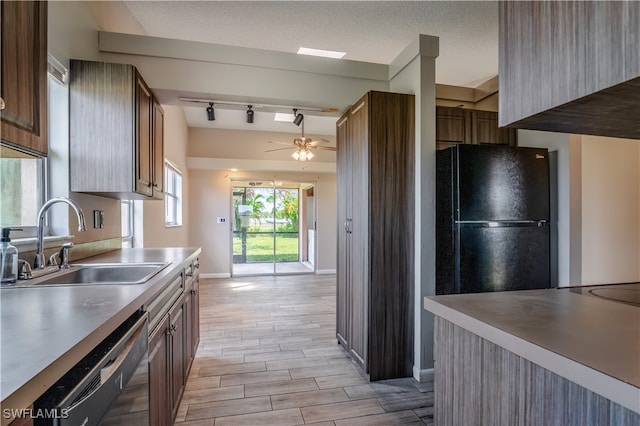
303,145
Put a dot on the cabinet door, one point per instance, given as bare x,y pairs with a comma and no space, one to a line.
177,349
359,247
453,126
144,163
24,74
195,317
158,150
159,406
344,178
485,130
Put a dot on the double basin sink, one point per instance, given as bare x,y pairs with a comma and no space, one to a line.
98,274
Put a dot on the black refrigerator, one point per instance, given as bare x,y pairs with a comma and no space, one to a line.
492,219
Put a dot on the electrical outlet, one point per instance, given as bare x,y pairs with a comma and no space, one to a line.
222,220
98,219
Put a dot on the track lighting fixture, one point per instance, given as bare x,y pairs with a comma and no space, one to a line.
249,114
211,115
297,117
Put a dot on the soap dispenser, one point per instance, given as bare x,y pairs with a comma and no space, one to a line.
9,262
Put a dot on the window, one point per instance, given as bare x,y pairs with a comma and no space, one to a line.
126,221
172,195
22,190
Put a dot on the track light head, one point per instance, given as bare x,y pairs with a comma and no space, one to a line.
297,117
211,115
249,114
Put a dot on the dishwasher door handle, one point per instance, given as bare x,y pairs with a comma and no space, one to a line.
107,372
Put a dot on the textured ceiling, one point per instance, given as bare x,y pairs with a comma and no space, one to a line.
368,31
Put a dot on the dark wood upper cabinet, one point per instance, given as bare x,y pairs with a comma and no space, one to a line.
570,66
24,75
458,125
115,132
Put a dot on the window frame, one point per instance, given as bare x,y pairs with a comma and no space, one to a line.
127,239
172,195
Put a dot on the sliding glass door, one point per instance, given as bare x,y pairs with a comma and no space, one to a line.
267,228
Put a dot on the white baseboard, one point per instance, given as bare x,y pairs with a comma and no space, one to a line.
219,275
325,271
423,375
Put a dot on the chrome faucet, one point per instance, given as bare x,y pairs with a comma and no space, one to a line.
39,262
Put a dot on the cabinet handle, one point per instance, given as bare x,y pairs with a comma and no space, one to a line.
173,328
196,265
194,292
189,274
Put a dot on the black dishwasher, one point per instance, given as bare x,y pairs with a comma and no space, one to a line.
109,386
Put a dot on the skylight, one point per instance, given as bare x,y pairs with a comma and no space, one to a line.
322,53
283,117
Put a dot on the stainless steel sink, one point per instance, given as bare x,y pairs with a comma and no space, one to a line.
100,273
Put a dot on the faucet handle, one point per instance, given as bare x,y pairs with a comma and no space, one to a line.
24,270
52,260
64,255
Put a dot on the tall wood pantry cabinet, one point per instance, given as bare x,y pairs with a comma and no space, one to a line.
24,75
375,172
115,132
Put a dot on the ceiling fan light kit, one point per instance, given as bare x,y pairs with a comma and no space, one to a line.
302,145
302,154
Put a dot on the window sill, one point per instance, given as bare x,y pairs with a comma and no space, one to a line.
168,225
29,244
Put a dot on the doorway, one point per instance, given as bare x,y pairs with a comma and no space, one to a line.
273,228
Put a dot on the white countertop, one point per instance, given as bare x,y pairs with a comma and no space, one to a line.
44,331
588,340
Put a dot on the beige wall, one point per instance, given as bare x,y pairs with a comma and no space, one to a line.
610,210
210,192
155,233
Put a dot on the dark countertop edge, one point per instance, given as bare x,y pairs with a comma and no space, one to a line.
603,384
26,394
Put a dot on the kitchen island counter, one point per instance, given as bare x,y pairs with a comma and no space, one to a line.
46,330
588,340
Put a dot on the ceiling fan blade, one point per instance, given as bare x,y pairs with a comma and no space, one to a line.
280,149
281,143
326,148
317,141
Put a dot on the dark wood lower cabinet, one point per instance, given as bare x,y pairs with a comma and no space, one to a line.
192,323
158,377
177,350
172,347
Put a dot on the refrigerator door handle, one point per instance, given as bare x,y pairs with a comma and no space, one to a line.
501,223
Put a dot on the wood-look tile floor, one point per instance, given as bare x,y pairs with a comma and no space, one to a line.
268,355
